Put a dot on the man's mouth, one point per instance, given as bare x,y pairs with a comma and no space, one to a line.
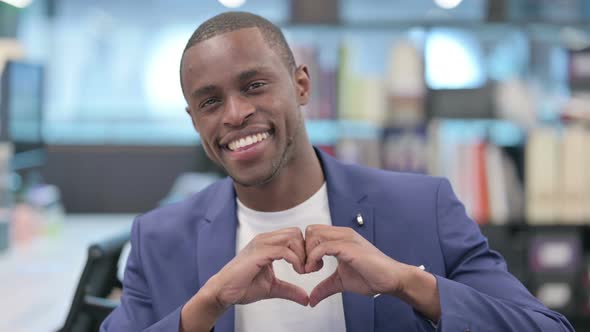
246,142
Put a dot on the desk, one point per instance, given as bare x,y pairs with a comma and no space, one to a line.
38,279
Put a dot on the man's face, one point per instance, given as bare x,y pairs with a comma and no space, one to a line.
244,102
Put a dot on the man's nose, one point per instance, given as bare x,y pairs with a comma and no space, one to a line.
237,110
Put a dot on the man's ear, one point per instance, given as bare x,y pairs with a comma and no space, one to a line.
303,84
190,114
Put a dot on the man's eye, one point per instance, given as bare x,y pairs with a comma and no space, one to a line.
209,102
255,85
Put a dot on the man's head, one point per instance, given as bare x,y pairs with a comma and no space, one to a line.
231,21
244,93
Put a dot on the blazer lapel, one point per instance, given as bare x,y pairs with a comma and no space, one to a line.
216,242
346,204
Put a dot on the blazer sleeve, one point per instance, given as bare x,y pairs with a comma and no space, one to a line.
135,312
478,293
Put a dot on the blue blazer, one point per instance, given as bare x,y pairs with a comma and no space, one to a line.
414,219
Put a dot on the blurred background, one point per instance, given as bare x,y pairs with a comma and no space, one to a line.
493,94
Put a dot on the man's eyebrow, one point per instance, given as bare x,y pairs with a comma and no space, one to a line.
250,73
207,89
243,76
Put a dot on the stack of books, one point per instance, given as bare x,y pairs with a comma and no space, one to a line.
558,183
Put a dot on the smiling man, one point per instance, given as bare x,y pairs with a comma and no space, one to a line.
294,240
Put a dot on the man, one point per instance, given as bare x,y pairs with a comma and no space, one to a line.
294,240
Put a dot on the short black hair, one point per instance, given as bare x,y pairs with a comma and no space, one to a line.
231,21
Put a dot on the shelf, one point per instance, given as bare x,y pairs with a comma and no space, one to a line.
500,132
400,25
329,132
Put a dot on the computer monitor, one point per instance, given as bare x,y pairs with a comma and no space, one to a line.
21,113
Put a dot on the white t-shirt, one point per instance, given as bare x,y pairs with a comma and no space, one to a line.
278,315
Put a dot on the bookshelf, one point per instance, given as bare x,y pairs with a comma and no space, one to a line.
480,135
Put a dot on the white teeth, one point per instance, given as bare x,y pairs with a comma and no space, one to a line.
245,141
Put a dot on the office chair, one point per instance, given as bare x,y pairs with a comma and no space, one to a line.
90,305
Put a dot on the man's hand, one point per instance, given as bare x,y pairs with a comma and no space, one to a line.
362,268
247,278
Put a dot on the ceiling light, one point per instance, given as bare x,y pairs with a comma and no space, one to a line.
232,3
448,4
18,3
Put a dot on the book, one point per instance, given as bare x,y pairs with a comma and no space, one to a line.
541,169
497,192
481,211
405,86
574,178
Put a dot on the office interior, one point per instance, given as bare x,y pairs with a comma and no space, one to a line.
492,94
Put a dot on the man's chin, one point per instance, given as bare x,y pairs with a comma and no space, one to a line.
252,182
256,180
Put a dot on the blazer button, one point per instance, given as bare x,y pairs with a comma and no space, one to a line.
467,330
359,219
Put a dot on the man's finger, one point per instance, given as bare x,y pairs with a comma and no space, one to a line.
274,253
291,238
316,234
326,288
314,260
284,290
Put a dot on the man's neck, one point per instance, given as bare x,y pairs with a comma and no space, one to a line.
295,183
